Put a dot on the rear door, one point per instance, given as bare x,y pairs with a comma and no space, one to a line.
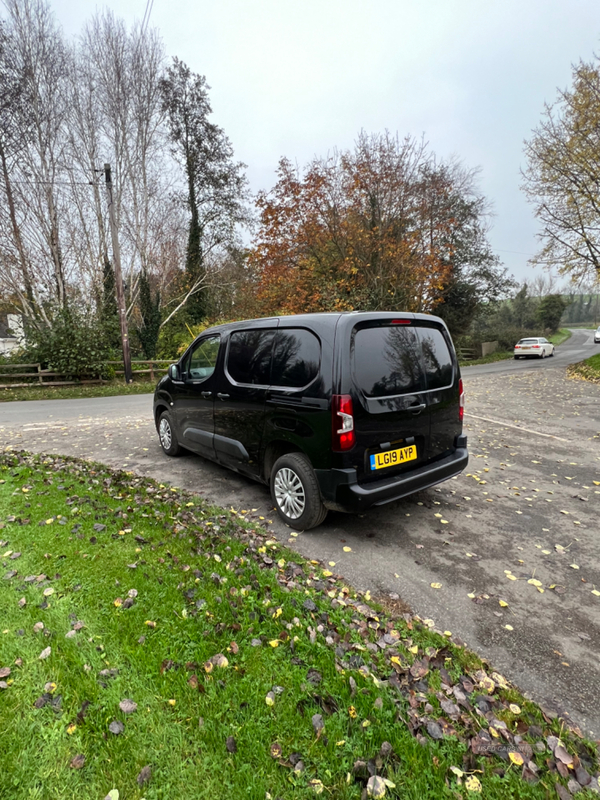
391,414
441,378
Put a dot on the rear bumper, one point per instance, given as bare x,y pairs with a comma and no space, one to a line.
341,491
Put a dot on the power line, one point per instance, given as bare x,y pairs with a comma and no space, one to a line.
146,19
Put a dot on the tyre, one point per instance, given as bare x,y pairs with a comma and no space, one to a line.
543,354
166,435
295,492
517,358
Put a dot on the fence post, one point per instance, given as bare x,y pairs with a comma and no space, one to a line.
152,371
39,369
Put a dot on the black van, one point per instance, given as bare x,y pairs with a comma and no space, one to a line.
334,411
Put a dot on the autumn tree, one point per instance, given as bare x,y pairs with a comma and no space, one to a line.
562,175
373,228
216,186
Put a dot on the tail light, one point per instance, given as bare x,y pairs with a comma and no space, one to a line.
517,347
342,423
461,400
535,346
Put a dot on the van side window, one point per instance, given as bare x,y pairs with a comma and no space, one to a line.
436,357
296,357
203,358
249,356
387,360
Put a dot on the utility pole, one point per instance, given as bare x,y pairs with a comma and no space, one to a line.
118,276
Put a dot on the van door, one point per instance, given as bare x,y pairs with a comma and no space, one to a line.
240,398
193,403
391,414
441,377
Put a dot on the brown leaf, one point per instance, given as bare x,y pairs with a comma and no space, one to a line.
231,744
419,669
193,681
77,761
317,723
144,775
561,755
4,672
116,727
275,750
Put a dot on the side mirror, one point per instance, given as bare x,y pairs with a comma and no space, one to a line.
174,372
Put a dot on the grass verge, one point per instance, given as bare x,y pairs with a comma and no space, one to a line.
588,370
155,646
112,389
497,356
561,335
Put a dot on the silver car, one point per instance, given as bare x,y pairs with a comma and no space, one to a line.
536,347
597,335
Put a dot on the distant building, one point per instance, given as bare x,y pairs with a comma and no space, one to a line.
11,333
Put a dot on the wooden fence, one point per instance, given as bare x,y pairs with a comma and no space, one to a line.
36,376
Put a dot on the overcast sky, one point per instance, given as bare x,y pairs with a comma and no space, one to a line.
298,78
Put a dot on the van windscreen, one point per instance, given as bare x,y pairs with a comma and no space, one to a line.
387,360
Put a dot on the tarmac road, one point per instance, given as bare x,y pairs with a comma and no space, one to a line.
527,504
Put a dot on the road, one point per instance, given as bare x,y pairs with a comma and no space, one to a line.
527,505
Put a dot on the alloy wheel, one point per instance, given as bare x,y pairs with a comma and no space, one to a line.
165,435
289,493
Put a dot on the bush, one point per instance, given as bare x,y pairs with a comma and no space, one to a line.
76,346
507,337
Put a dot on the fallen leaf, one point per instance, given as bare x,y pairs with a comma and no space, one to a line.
77,761
116,727
45,653
275,750
375,787
231,745
144,775
473,784
347,549
436,585
128,706
516,758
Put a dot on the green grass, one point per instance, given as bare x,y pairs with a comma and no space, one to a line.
35,392
210,582
497,356
561,335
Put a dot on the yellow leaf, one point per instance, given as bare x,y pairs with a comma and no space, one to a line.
347,549
341,743
473,784
596,592
172,702
534,582
150,623
471,595
436,585
71,729
511,577
509,627
503,603
515,708
208,666
270,699
573,566
366,723
327,573
516,758
396,660
414,649
274,642
352,712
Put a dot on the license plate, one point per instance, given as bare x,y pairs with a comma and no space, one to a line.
391,458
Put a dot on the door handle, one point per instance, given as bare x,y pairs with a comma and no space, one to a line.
222,396
418,408
206,394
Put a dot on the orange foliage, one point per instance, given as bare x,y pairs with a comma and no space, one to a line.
369,229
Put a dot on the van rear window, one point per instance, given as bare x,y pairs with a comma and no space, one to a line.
296,358
436,358
387,361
